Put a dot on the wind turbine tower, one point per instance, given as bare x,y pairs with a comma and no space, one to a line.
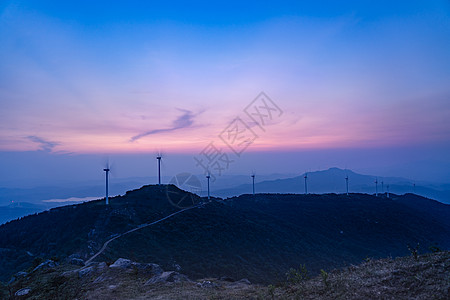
253,179
208,177
346,182
306,186
382,187
107,184
387,187
376,187
159,168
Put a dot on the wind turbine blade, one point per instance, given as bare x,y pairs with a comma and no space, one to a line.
113,169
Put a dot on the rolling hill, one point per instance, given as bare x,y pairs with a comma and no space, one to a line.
326,181
257,237
333,181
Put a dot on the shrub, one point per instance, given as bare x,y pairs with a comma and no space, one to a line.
299,275
414,251
434,248
324,276
271,290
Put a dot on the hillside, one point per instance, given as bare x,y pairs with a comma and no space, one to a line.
319,182
81,228
422,277
258,238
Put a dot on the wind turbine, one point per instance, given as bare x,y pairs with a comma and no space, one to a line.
387,190
376,187
253,179
107,184
208,177
306,186
382,187
346,182
158,157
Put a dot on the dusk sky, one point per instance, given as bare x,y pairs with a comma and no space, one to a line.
363,85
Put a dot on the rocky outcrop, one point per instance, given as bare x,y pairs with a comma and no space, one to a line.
130,266
167,277
148,268
207,284
85,271
22,292
21,274
121,263
100,272
76,262
18,275
46,265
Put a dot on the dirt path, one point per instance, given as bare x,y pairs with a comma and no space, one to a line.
135,229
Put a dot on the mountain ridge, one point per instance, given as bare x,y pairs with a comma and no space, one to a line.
257,237
332,180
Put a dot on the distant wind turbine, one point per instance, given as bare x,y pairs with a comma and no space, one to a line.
346,182
107,183
253,179
159,168
387,190
376,187
208,177
306,186
382,187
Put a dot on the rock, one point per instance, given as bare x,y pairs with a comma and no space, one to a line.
177,267
75,255
69,273
121,263
174,277
240,283
17,276
23,292
21,274
226,278
76,262
244,281
155,279
126,264
46,265
100,278
148,269
101,266
166,277
207,284
84,272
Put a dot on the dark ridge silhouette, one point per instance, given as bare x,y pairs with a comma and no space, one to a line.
256,237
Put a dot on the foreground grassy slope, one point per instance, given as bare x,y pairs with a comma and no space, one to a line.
425,277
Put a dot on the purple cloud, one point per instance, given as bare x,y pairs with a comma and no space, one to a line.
183,121
45,145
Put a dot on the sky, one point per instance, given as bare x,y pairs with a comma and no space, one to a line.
357,84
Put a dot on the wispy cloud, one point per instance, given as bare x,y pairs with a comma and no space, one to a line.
184,121
45,145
